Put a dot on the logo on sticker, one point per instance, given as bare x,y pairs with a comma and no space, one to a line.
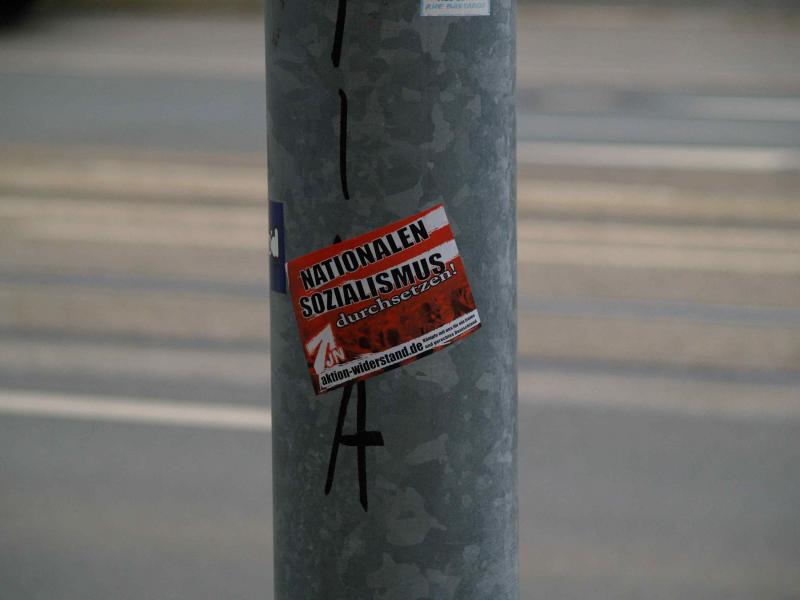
381,300
326,352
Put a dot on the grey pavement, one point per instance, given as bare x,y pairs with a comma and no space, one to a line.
659,308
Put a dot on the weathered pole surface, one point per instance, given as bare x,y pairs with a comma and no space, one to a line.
374,113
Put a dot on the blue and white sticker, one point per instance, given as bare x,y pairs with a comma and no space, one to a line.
277,259
455,8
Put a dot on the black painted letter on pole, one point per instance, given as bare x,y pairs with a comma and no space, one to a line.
360,439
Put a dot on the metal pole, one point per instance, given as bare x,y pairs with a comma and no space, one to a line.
404,486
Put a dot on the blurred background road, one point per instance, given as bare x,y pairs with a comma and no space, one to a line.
659,205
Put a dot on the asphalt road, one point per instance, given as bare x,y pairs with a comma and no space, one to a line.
659,308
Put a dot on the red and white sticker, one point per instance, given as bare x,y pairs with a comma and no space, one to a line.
381,300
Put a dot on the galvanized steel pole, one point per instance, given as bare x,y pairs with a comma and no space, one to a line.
402,487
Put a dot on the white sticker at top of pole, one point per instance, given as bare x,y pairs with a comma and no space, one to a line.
454,8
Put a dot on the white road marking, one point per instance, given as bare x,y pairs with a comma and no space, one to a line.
650,156
693,247
168,179
134,410
688,247
660,394
96,62
630,308
656,201
643,257
69,356
605,102
737,107
545,388
661,236
172,179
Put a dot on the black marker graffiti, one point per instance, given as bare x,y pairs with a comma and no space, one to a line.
343,143
360,439
336,53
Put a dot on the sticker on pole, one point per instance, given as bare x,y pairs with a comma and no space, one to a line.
454,8
277,267
381,300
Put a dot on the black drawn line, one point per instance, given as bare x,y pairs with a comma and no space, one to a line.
360,439
341,14
340,423
343,143
371,438
335,448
